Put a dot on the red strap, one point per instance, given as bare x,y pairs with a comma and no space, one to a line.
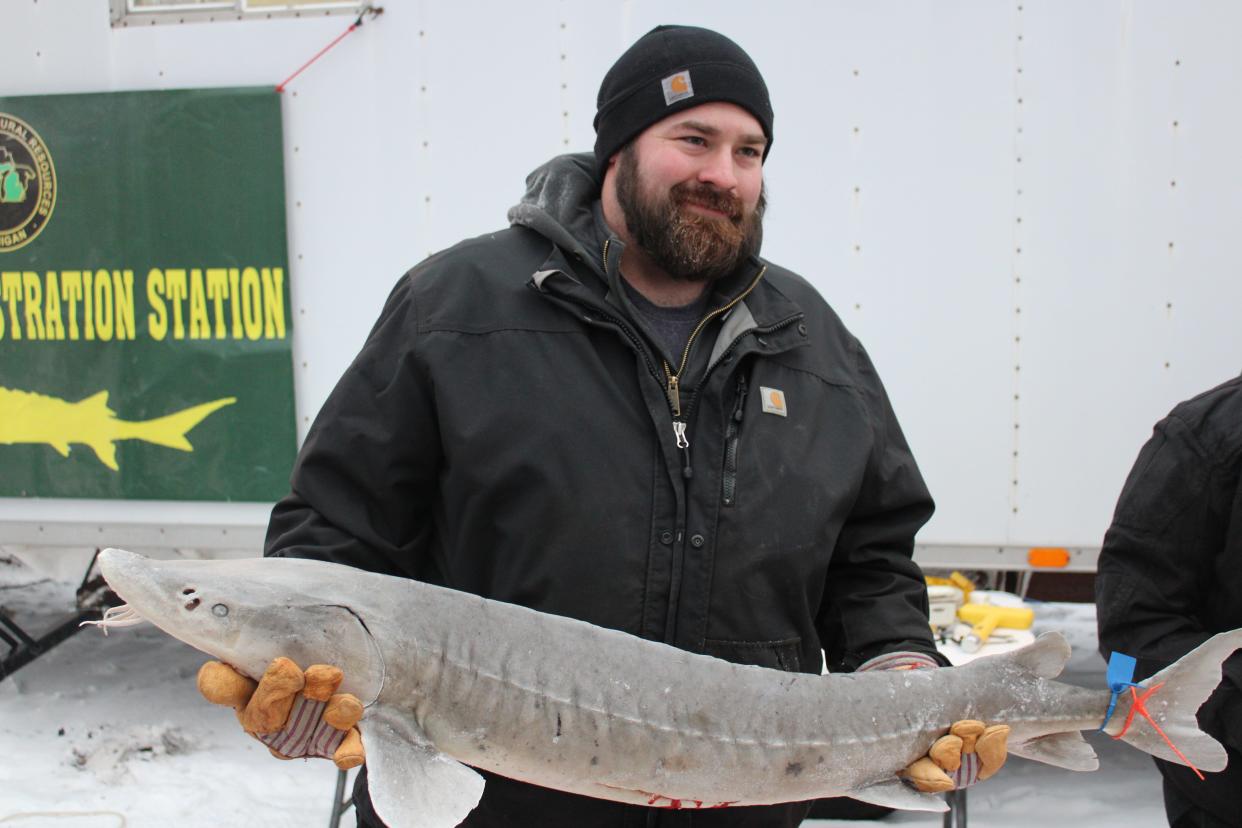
369,10
1140,706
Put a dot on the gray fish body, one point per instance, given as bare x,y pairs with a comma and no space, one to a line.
568,705
605,714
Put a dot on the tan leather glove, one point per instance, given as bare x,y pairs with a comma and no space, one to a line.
296,714
970,752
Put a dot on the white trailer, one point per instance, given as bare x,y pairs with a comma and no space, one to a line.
1026,210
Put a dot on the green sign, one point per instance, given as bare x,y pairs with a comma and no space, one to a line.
144,297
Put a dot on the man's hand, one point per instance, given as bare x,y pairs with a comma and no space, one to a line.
969,753
295,714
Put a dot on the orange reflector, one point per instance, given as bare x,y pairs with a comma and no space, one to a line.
1054,557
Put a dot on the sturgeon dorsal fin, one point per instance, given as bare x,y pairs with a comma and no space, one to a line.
412,784
96,402
1045,657
893,793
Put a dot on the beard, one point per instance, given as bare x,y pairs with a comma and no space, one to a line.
689,246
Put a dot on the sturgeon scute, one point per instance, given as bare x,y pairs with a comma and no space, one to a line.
452,681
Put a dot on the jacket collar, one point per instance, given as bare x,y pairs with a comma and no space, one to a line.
561,205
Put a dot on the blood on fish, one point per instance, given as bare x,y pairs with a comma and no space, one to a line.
678,804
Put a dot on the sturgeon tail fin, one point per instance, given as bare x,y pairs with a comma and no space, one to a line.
170,430
1184,686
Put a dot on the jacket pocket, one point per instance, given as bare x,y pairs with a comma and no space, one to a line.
778,655
728,487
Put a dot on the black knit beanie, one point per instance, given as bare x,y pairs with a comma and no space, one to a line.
669,69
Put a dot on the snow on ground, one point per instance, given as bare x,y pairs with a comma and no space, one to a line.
110,732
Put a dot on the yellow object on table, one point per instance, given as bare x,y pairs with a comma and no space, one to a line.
985,618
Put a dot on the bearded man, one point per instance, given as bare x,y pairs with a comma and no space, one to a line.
614,410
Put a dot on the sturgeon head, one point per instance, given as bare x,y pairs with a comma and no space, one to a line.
234,610
248,612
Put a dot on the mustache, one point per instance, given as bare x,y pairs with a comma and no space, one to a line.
709,196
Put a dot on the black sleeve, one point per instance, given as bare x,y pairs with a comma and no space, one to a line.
1157,564
364,484
875,599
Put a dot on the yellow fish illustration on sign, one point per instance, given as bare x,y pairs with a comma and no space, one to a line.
27,417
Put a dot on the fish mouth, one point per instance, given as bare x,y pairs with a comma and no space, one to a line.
136,582
131,577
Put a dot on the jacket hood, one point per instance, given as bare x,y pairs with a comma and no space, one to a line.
560,205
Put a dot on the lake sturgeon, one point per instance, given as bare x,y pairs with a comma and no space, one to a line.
452,681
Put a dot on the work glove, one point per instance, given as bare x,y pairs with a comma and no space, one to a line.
296,714
970,752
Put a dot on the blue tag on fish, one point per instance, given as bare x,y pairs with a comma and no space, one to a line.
1120,671
1120,676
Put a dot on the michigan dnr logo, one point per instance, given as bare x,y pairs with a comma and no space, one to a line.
27,183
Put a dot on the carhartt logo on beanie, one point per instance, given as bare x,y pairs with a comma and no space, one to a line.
669,69
677,87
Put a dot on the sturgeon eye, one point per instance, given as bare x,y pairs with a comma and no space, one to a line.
219,610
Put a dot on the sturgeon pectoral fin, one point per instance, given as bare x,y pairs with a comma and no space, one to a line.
105,450
896,794
1064,750
412,784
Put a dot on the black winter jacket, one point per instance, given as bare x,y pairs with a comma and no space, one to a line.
1170,571
506,431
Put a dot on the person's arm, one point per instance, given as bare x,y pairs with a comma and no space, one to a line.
875,597
1157,564
364,482
875,613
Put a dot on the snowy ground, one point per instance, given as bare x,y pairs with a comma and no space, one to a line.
105,732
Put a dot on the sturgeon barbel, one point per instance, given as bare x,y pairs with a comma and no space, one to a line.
451,681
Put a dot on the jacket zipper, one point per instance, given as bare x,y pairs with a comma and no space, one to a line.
674,379
729,486
672,387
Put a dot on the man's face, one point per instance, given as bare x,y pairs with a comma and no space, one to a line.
691,190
